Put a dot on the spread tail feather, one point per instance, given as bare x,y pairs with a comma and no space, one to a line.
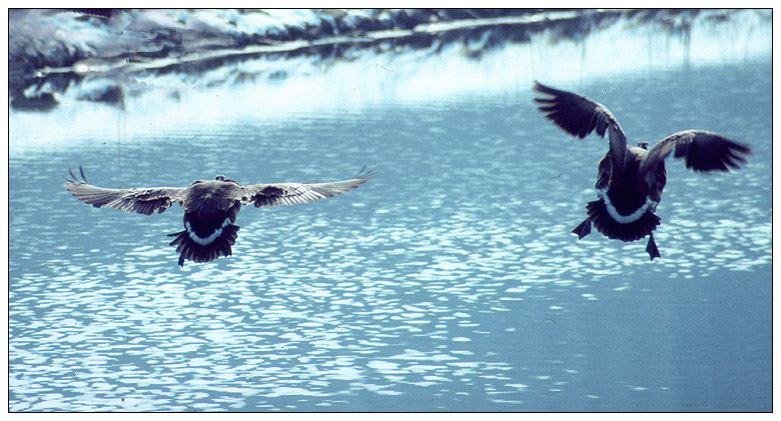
633,231
200,253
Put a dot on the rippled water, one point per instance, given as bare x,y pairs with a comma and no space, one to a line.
449,282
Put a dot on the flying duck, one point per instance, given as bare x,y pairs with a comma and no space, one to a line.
630,179
210,206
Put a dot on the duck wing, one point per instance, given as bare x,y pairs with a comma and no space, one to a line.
268,195
702,151
138,200
579,116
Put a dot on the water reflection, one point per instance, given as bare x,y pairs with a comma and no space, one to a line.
111,60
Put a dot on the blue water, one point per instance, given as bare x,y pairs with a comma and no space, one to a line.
450,282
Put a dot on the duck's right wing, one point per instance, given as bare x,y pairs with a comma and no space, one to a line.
139,200
268,195
579,116
701,151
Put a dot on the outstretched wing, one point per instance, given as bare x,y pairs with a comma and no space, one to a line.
268,195
139,200
701,151
579,116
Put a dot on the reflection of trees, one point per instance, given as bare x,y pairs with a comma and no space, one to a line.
50,51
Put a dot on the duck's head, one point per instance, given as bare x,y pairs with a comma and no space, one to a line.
642,145
223,178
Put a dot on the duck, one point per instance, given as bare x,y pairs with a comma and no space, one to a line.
210,206
630,179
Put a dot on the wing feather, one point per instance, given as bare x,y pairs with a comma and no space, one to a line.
146,201
701,151
268,195
580,116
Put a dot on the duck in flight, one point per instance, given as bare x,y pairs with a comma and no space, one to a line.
210,206
630,179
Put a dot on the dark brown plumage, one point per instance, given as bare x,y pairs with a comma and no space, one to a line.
630,179
210,206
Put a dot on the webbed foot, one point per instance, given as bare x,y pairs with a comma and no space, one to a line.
583,229
651,248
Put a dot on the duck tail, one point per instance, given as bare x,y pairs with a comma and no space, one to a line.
633,231
201,253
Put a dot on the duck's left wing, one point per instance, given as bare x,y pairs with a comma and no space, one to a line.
139,200
579,116
701,151
268,195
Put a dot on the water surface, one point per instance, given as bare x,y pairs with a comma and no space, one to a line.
451,282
